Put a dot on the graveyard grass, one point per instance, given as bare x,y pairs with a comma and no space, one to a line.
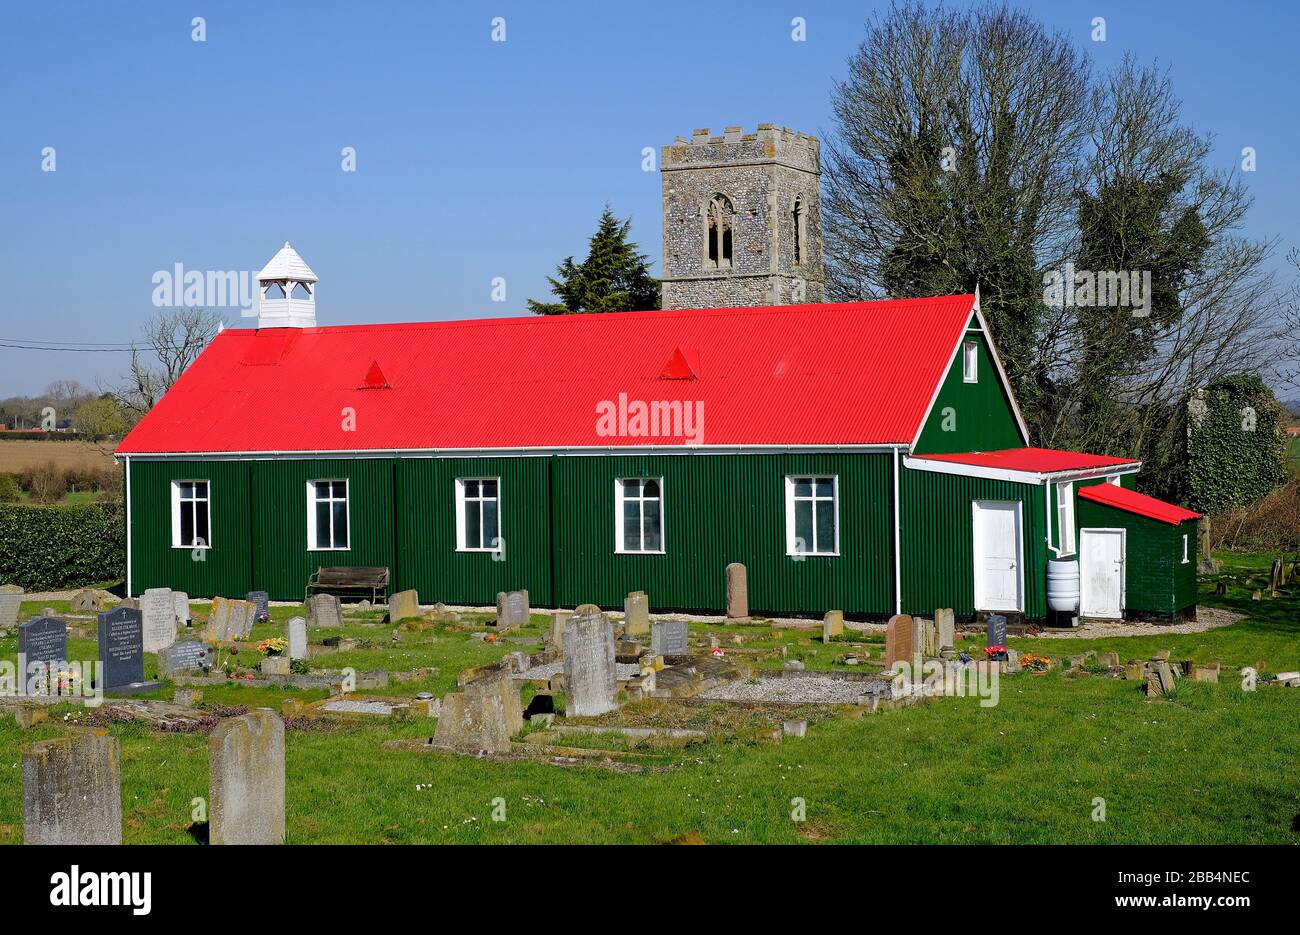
1207,764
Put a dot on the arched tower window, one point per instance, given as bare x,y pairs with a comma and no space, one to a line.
796,215
718,221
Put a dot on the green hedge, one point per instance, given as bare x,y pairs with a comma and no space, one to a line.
48,548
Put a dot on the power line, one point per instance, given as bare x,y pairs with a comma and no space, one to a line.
82,347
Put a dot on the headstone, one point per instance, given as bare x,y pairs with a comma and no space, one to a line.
323,611
11,602
181,600
589,671
297,634
1110,660
403,604
555,638
481,716
945,621
260,600
512,609
84,602
794,728
121,649
42,650
901,641
219,628
669,638
72,790
158,612
246,770
187,697
929,638
275,665
832,625
245,617
185,656
996,629
737,591
636,614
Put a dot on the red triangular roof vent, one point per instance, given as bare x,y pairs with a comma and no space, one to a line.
375,379
683,365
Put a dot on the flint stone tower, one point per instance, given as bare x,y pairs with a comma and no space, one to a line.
742,219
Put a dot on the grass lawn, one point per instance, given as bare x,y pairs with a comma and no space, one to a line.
1209,764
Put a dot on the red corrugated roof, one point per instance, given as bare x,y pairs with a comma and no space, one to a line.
1031,460
844,374
1133,502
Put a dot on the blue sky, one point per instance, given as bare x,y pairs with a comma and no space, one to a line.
475,159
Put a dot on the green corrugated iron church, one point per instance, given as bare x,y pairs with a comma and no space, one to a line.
865,456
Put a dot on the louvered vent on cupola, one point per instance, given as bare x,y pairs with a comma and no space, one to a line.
375,379
684,364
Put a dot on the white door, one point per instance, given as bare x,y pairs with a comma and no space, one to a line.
1101,573
998,565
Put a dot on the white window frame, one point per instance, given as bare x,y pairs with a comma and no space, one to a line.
1066,533
460,514
970,362
790,499
619,499
176,511
311,513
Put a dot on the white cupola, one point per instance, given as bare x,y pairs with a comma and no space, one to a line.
287,288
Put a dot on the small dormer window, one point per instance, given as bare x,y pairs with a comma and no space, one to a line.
300,291
274,291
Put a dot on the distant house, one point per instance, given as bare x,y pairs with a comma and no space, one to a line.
866,456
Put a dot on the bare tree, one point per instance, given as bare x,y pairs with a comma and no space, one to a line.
172,340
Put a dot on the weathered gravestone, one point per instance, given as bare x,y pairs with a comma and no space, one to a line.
636,614
72,791
219,627
121,651
261,601
323,611
945,621
402,605
185,656
296,630
512,609
483,715
902,641
555,638
669,638
929,638
11,602
246,773
181,604
737,591
590,675
832,625
42,651
158,610
84,602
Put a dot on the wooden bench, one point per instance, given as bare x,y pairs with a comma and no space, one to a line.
351,579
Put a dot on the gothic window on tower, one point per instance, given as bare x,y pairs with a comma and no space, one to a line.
796,215
719,227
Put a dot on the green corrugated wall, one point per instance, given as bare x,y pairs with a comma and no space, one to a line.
557,520
939,540
1156,579
970,416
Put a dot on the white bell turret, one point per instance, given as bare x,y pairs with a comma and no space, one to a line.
287,292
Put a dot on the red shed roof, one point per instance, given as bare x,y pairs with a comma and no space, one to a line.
1133,502
857,373
1032,460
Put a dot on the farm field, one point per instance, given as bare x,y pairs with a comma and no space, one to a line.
17,454
1209,763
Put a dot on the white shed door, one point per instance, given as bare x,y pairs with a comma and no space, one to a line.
1101,573
998,575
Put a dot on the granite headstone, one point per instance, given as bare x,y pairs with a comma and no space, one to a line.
669,638
590,675
323,611
42,649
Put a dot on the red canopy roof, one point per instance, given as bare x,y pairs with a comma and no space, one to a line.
1133,502
858,373
1032,460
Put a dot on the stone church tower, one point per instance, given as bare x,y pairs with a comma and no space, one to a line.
742,219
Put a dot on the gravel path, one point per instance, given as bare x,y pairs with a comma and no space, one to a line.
805,689
1207,618
626,670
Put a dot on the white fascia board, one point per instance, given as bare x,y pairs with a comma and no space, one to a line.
880,448
1018,477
